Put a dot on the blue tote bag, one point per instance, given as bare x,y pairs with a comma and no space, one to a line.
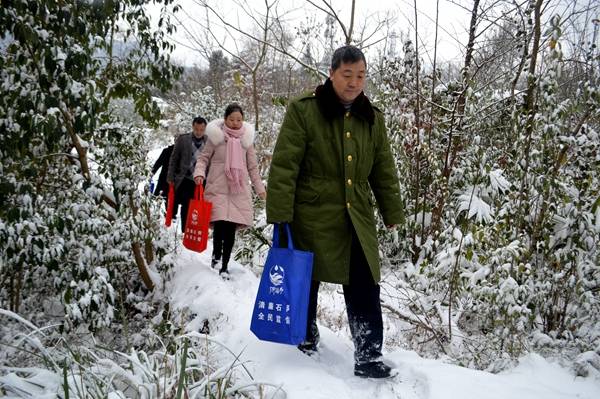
281,306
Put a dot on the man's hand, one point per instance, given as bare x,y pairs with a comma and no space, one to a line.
198,180
263,195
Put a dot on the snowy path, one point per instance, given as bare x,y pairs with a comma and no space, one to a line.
228,305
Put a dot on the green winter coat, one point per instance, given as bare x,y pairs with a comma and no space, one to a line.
327,164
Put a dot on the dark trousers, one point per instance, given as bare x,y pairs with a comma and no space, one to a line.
223,239
183,195
363,307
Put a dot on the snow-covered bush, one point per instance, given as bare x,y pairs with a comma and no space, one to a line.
186,106
195,366
500,242
74,225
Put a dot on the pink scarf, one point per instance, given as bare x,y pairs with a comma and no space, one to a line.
234,162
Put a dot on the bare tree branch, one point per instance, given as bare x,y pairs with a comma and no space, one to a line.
330,11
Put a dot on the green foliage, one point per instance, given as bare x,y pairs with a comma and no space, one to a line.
502,218
69,172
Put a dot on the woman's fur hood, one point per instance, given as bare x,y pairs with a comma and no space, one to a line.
215,133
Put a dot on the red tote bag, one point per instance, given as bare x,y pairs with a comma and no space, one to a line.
170,205
195,237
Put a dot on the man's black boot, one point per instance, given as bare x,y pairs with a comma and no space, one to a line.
308,348
372,370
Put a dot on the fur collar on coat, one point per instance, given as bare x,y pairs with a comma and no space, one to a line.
331,107
216,135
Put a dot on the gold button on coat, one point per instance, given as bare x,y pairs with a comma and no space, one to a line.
347,114
349,182
348,205
348,135
349,158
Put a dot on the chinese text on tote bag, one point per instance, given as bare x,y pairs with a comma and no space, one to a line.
195,237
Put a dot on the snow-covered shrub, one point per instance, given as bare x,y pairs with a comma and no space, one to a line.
195,366
74,224
184,107
501,195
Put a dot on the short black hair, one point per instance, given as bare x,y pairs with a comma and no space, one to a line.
231,108
347,55
199,121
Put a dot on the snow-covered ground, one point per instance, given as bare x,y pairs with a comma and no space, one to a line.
228,305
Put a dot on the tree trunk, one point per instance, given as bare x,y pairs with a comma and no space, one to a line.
417,128
456,123
148,245
140,261
530,109
431,123
141,264
351,27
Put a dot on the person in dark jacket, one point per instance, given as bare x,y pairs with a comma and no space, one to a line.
162,163
182,163
331,157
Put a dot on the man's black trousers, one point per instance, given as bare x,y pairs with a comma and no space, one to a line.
363,307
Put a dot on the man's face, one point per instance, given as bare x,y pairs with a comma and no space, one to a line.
199,129
349,80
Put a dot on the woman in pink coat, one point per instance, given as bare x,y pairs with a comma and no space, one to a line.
231,158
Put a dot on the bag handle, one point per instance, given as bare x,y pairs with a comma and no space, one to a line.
199,192
276,235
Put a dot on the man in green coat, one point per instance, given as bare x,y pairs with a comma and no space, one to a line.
331,157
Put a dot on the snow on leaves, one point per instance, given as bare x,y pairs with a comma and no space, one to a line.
70,173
